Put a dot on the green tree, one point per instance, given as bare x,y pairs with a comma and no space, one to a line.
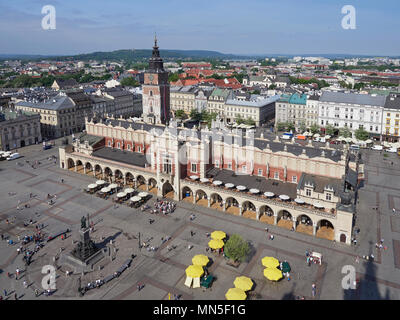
280,126
314,128
302,127
129,82
345,132
330,130
236,248
239,120
195,115
250,122
361,134
173,77
180,114
290,126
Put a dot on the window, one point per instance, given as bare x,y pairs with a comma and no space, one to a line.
260,172
294,179
276,175
194,167
118,145
167,167
308,192
328,197
230,165
139,149
217,163
244,169
109,143
129,147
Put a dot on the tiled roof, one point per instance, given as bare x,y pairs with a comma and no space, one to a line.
352,98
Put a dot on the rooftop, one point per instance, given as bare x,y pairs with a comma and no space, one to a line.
352,98
128,157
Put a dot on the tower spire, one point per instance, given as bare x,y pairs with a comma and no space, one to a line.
155,40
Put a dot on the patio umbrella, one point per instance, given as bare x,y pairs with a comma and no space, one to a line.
286,267
200,260
299,201
269,194
194,271
105,190
92,186
270,262
143,194
218,235
135,199
255,191
215,244
284,197
204,180
217,183
243,283
129,190
229,185
235,294
121,195
100,182
273,274
194,177
113,186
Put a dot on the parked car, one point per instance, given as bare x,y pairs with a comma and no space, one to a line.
13,156
391,150
354,147
378,148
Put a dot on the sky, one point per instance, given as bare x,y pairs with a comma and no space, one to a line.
228,26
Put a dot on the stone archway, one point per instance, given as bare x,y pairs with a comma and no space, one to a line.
343,238
89,168
285,219
216,201
266,214
168,190
201,198
98,172
153,185
187,194
141,183
79,166
249,210
232,206
70,164
304,224
325,230
119,177
108,174
130,179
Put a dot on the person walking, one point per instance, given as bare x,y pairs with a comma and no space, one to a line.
5,292
313,290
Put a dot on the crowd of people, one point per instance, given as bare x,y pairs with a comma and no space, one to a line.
164,207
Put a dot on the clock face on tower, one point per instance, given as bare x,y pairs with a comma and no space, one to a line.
151,77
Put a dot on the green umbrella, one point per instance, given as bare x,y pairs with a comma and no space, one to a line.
285,267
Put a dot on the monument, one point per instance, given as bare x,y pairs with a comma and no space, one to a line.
86,253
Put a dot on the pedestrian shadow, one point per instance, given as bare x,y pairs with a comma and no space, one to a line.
103,244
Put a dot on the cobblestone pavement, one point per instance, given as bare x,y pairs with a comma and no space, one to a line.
163,271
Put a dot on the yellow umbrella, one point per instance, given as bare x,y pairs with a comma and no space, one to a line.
273,274
270,262
235,294
243,283
200,260
218,235
216,244
194,271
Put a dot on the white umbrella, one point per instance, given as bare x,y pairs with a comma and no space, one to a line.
255,191
204,180
229,185
316,135
269,194
105,190
113,186
368,141
135,199
100,182
194,177
284,197
121,195
92,186
217,182
241,188
327,136
299,201
143,194
129,190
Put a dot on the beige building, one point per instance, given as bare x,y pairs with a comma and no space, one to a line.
183,98
311,116
391,118
18,129
301,188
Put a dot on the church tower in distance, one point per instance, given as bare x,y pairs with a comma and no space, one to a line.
156,108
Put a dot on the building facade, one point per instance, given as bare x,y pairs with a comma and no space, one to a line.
185,164
391,118
19,129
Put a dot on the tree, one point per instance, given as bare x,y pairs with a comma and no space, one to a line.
239,120
173,77
195,115
290,126
361,134
180,114
302,127
257,91
330,130
280,126
236,248
345,132
314,128
129,82
250,122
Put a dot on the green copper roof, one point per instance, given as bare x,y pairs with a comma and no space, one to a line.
297,99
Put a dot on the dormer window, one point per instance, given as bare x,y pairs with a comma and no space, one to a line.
308,192
328,196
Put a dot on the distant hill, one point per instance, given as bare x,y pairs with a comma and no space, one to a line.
141,54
